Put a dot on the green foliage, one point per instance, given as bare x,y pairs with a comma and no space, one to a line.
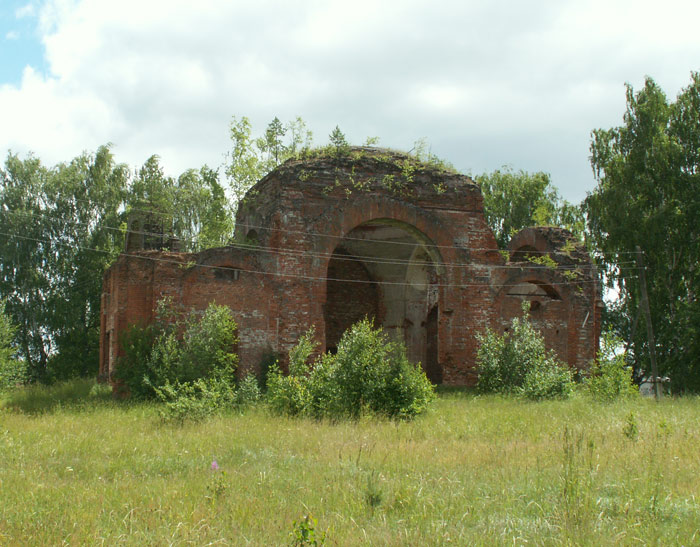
203,217
248,392
60,234
134,369
13,372
305,533
373,493
338,142
208,346
610,377
198,399
548,379
158,361
368,373
273,143
290,394
7,335
543,260
65,224
287,395
218,485
422,152
250,159
631,427
193,209
243,168
518,363
516,200
648,173
194,400
187,363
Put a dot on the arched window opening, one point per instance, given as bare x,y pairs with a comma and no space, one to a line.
252,238
534,290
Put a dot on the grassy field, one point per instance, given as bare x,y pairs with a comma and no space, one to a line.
77,468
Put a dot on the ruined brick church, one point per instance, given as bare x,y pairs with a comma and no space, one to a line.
330,239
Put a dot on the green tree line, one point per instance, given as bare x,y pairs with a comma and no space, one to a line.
648,196
61,226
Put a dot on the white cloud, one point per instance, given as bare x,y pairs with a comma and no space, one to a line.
28,10
486,82
12,35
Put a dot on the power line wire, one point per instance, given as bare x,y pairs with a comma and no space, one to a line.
299,276
320,234
366,259
354,258
341,237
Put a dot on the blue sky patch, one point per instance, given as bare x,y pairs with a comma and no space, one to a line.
20,43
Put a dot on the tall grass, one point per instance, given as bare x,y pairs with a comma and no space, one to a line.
38,399
475,470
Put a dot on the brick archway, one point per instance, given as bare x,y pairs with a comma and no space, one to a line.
551,308
386,270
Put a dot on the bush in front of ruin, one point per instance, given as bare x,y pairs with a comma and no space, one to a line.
368,374
187,362
517,363
610,376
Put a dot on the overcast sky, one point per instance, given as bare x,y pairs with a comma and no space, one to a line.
487,83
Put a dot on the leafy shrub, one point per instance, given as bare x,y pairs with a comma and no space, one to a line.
194,400
290,394
74,358
518,363
369,373
208,346
631,428
268,360
13,373
305,532
156,356
192,373
610,377
248,391
287,394
134,370
547,380
198,399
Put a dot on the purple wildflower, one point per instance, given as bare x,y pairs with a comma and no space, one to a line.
214,465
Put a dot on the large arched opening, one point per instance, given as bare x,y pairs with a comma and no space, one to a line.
388,271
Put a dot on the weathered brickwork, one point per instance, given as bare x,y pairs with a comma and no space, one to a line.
328,240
